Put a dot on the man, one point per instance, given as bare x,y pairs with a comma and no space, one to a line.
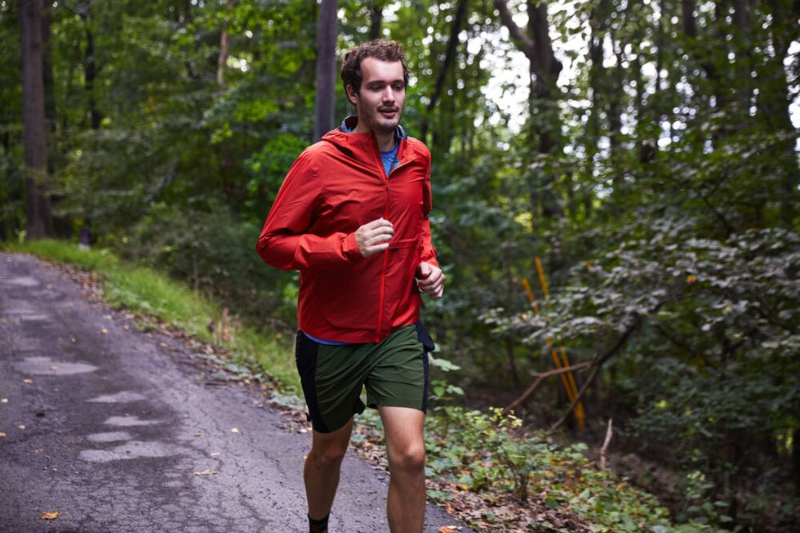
352,217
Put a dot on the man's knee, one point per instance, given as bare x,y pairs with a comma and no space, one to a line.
410,459
328,455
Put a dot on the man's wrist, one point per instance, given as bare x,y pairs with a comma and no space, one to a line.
350,248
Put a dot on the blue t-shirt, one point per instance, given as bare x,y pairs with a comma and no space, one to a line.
389,159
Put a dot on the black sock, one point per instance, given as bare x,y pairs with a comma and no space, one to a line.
318,526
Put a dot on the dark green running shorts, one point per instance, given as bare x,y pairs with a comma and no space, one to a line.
394,371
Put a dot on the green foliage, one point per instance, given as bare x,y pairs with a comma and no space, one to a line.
215,253
487,453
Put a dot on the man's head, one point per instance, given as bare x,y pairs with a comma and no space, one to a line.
375,76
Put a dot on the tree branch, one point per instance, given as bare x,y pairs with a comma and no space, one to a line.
525,43
540,376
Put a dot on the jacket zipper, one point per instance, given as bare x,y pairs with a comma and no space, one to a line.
386,217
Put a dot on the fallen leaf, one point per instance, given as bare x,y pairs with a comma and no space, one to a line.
235,430
73,340
2,435
27,381
214,454
104,331
20,426
53,367
206,473
198,434
4,400
49,516
447,529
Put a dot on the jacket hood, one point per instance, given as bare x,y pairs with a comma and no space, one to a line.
347,141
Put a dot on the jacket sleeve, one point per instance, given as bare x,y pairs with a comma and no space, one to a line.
427,251
285,241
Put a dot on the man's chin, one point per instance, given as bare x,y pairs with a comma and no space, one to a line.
387,126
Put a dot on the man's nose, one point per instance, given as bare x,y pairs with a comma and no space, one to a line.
388,94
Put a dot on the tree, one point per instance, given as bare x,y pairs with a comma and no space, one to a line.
326,68
39,218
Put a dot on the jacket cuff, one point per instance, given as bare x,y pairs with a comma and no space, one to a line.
350,248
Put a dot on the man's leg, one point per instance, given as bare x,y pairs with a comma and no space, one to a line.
406,450
321,472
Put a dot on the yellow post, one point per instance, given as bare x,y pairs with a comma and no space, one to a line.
568,379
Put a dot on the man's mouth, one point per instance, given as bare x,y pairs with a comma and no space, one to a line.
387,112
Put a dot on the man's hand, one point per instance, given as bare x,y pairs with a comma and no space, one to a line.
374,237
430,280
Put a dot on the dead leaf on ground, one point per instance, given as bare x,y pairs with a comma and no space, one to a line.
27,381
103,331
447,529
206,473
3,435
49,516
235,430
4,400
73,340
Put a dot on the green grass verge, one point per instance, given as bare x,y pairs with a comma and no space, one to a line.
145,291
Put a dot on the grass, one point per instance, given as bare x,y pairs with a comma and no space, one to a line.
147,292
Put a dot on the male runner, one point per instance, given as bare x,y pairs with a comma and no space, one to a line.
352,217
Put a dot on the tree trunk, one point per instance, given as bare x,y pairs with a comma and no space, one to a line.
224,50
328,29
90,73
375,19
544,119
39,219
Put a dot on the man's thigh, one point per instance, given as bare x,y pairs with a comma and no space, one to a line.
398,373
332,378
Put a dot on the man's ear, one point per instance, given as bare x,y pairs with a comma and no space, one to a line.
351,94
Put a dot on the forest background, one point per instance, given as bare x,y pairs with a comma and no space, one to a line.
615,182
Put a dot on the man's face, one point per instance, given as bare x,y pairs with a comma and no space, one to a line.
379,103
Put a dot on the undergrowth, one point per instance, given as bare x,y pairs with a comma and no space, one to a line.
481,452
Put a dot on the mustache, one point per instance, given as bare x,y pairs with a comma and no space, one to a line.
382,109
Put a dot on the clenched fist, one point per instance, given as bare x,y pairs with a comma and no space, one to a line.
374,237
430,280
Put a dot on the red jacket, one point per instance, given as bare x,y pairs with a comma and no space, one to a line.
333,188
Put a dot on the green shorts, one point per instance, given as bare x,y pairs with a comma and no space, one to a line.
394,371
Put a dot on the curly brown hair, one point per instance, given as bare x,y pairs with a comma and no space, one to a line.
379,49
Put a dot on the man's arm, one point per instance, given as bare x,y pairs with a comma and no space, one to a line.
284,243
430,278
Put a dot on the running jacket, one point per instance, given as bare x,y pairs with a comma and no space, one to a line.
334,187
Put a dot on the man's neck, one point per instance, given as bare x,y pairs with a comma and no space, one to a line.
385,140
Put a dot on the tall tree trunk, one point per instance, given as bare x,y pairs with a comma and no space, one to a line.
328,29
774,100
61,225
544,120
449,59
90,73
39,218
375,18
224,50
224,147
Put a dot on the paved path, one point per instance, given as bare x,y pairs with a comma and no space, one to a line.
110,427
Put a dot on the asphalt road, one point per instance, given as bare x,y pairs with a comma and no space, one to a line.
118,430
